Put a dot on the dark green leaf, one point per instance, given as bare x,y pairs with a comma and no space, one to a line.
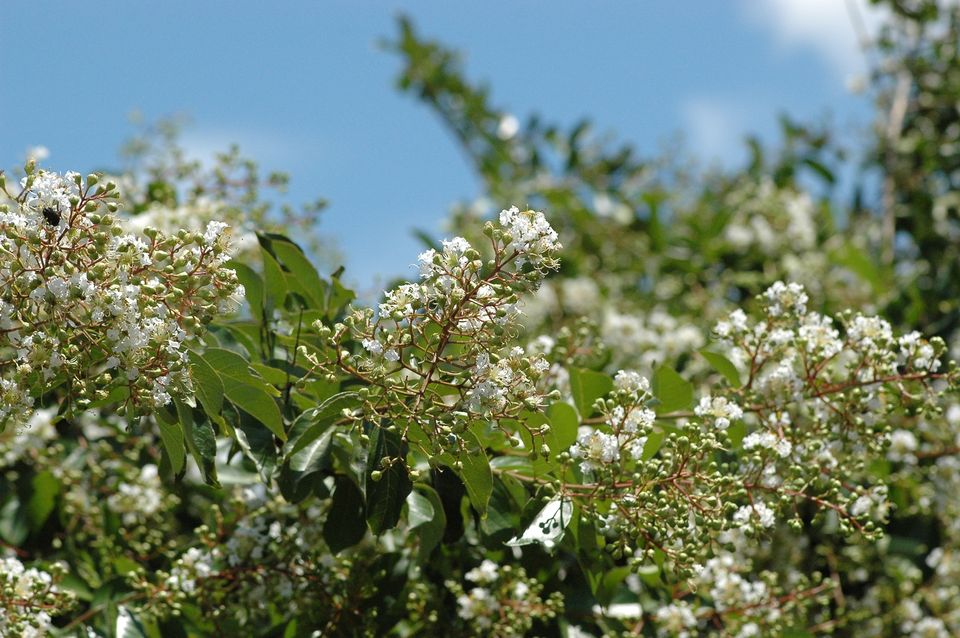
201,442
313,422
257,403
430,531
345,525
385,497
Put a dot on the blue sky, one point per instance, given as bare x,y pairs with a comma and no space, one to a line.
303,87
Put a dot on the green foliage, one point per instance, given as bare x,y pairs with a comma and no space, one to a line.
482,454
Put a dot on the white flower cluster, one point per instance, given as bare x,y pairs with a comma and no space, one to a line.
628,422
85,303
195,217
770,219
266,557
755,515
530,235
786,298
138,499
720,410
31,439
29,599
676,620
917,352
646,339
768,440
903,444
728,589
503,601
437,350
512,379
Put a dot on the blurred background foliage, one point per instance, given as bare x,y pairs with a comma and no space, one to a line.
656,249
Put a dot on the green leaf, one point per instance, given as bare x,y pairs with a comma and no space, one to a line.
419,510
724,366
385,497
171,434
128,624
246,389
13,523
548,526
610,583
201,442
258,404
345,525
313,457
43,494
673,391
119,394
587,386
430,531
506,504
229,364
275,284
337,296
207,383
736,433
306,467
475,473
313,422
652,446
274,376
300,273
252,286
820,169
564,424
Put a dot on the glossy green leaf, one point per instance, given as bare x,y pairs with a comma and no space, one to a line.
313,422
207,384
724,366
171,434
548,526
673,391
475,473
587,386
252,286
419,510
386,494
201,442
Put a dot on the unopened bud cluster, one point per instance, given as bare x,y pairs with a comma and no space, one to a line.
435,356
30,598
89,307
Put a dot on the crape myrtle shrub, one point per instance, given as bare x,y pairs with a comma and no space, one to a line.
672,404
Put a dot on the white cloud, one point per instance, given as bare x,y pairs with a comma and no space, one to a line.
267,148
715,127
834,29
